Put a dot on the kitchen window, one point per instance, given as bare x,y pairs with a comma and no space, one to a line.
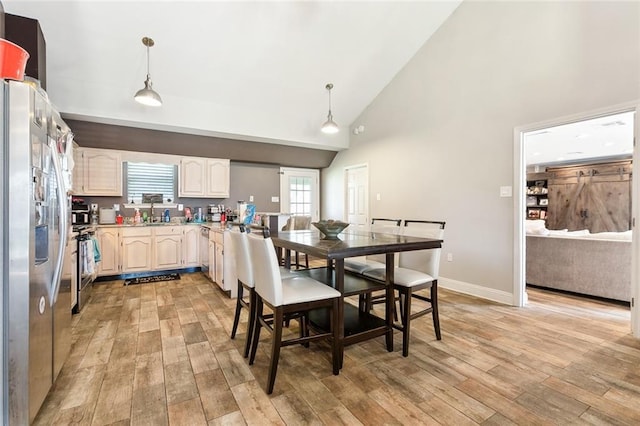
148,178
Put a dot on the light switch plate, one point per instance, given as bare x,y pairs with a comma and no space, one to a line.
275,199
506,191
251,198
116,207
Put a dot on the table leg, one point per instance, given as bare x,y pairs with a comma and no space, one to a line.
287,258
390,302
339,271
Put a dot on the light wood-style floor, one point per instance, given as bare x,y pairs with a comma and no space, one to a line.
160,353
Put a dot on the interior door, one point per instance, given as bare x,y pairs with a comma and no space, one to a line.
357,192
300,192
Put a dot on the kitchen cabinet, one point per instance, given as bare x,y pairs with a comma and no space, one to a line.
212,260
27,33
109,243
222,265
204,177
137,249
190,246
596,197
167,247
218,172
97,172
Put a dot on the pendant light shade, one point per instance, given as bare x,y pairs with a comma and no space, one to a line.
148,96
330,126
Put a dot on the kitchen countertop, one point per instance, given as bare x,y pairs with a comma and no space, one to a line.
151,225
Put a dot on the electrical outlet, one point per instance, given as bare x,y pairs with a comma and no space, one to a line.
449,257
275,199
116,207
251,198
180,207
378,196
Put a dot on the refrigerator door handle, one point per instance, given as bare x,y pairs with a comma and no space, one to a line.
63,226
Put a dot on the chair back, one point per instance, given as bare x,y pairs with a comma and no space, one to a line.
242,256
384,226
427,261
266,269
296,223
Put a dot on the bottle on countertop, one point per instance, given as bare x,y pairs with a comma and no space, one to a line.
167,218
136,216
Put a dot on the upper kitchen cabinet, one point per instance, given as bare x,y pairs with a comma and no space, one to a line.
204,177
26,33
218,171
97,172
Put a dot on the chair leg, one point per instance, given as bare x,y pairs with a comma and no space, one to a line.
252,320
236,318
406,320
256,330
434,310
275,348
304,328
335,350
362,306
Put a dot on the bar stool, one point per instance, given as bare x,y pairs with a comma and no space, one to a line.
244,273
417,270
297,223
285,297
362,263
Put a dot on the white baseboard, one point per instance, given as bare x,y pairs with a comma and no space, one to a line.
476,290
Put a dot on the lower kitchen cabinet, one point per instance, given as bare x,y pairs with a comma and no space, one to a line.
109,243
191,246
222,265
212,259
168,248
142,249
137,249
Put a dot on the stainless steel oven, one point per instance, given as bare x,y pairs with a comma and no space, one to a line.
87,266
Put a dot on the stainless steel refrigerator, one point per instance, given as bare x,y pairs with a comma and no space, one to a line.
36,302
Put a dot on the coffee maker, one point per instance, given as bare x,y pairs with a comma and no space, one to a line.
80,213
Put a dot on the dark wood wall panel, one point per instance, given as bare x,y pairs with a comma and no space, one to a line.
108,136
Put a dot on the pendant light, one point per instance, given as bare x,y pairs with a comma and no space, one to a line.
330,126
148,96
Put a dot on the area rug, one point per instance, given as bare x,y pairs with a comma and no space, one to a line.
152,279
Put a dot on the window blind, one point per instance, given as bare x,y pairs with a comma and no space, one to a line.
145,178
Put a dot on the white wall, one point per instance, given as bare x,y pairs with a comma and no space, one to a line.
439,138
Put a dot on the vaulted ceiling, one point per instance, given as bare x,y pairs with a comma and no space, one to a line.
247,70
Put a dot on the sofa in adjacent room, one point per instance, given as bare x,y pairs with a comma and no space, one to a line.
578,261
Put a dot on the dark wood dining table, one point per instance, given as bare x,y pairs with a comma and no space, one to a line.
355,325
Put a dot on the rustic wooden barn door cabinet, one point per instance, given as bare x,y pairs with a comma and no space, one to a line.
596,197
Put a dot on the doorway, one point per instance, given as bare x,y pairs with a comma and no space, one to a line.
356,179
567,152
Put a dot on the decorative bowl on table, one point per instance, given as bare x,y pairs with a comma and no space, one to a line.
330,228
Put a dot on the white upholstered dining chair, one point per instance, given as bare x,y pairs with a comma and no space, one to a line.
244,273
417,270
285,297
